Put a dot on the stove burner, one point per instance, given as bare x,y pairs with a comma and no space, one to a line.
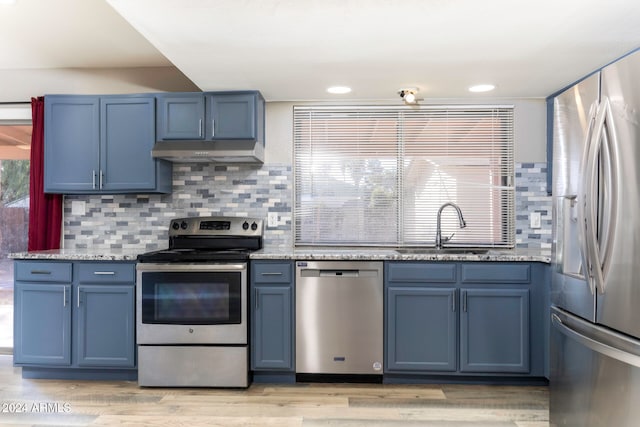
192,242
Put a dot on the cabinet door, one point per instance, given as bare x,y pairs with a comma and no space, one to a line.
421,329
42,324
180,116
231,116
127,137
494,330
105,325
272,328
71,143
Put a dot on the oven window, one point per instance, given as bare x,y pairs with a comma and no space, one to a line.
191,298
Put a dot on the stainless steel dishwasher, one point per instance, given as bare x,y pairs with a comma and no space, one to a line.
339,317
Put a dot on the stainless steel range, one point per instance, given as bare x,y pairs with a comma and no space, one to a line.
191,304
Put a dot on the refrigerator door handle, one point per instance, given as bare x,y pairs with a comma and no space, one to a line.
591,204
597,346
611,179
583,201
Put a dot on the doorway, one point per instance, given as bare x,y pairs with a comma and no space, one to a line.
15,142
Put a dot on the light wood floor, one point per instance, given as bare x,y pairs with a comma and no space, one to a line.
121,403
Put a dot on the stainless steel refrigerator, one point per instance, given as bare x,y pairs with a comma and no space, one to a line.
595,290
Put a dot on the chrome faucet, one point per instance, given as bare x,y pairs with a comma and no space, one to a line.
463,224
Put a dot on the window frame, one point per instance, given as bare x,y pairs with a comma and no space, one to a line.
501,186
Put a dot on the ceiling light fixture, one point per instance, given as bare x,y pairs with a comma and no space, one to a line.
339,90
408,95
7,2
482,88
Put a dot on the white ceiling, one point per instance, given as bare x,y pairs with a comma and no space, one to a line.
294,49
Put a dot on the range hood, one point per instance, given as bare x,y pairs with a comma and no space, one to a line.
209,151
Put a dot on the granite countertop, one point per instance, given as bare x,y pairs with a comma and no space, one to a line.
275,253
351,254
80,255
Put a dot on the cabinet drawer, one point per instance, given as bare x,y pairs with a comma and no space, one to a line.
496,273
99,272
43,271
421,272
271,272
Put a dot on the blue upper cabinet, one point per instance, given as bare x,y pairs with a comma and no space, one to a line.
180,116
211,116
232,116
102,145
127,136
72,143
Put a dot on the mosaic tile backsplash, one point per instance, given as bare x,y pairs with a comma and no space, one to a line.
141,221
531,196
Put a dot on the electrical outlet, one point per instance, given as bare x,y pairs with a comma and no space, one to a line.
534,220
272,219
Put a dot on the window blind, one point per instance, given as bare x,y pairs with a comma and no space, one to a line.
376,176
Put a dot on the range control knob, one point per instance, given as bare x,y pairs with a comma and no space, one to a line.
245,226
175,226
184,225
254,226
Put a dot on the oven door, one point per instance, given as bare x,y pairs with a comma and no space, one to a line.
191,304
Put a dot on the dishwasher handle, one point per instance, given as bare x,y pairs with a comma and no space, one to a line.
338,273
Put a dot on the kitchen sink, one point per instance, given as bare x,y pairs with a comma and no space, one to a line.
443,251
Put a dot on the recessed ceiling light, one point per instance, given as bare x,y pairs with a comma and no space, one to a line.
339,90
482,88
7,2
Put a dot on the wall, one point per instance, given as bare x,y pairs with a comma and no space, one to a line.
21,85
530,122
141,221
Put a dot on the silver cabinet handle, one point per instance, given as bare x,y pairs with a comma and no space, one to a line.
274,273
453,305
101,178
78,297
40,272
255,292
464,301
93,179
64,296
200,128
104,273
213,128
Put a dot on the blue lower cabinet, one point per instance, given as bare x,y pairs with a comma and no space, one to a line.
101,342
42,324
483,319
421,331
494,330
272,318
87,322
272,346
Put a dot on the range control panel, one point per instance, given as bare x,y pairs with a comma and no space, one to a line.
216,226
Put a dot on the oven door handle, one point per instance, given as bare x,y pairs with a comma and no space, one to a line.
190,268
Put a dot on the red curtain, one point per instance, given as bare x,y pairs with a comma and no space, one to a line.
45,210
